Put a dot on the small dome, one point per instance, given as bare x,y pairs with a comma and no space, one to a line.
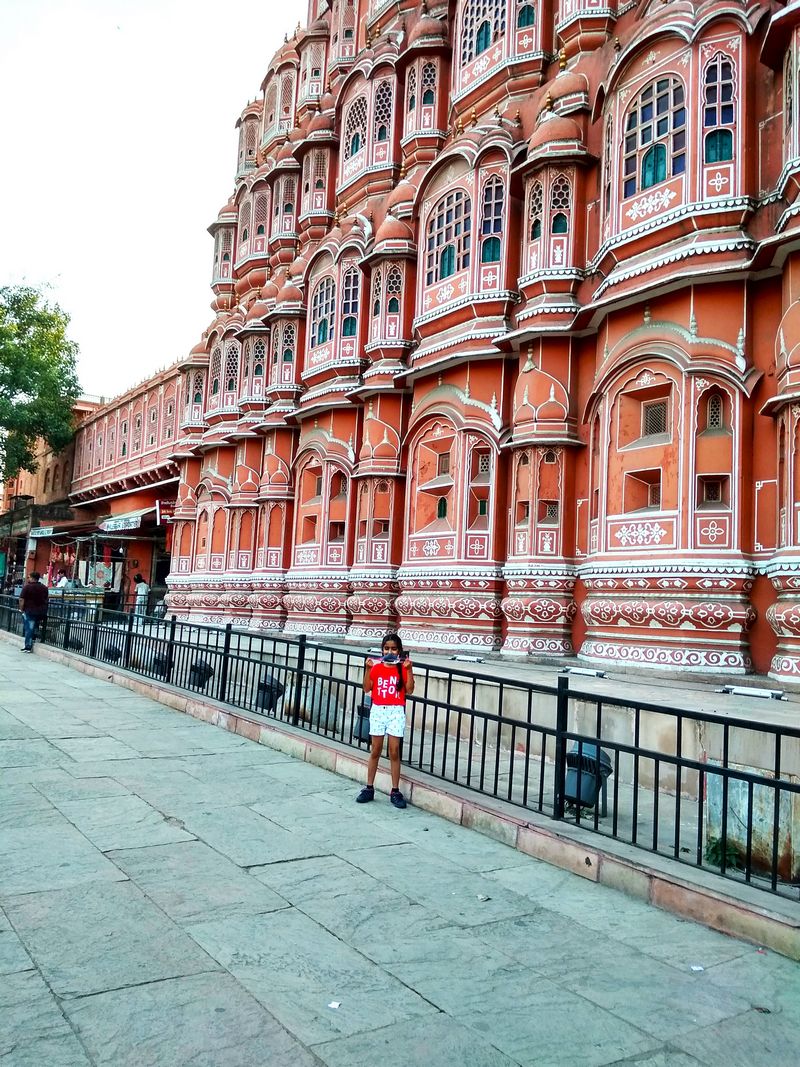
285,152
289,294
328,102
568,83
299,267
555,128
403,193
428,29
257,312
392,229
269,291
200,349
228,208
321,123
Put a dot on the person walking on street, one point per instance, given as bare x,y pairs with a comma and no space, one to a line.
33,605
389,680
142,593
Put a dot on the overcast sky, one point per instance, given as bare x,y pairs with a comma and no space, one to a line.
117,148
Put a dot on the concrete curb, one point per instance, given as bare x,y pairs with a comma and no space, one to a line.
656,880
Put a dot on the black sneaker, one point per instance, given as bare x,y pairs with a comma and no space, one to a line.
366,794
397,799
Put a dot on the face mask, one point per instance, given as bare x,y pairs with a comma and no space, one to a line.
391,658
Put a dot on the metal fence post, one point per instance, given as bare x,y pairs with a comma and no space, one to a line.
126,657
222,691
93,642
67,625
562,725
171,647
298,682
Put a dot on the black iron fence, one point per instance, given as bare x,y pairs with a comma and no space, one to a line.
717,792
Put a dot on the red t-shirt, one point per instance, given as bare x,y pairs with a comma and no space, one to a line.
386,684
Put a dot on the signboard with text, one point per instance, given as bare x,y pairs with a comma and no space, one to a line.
165,510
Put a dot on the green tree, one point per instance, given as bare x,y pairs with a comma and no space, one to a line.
38,382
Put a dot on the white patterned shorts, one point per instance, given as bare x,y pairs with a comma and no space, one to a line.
387,719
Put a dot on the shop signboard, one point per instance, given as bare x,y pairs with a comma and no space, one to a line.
126,522
165,510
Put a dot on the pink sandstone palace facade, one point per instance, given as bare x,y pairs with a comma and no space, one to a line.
505,350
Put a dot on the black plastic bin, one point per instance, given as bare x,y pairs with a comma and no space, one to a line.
269,692
587,769
200,673
361,725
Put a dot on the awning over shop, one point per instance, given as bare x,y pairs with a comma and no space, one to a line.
59,529
131,521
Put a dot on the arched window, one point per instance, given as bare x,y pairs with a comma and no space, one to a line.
411,90
260,214
216,369
526,16
490,250
492,220
323,309
535,207
441,508
607,157
718,146
289,337
244,223
47,480
270,107
231,367
394,287
287,100
197,390
288,195
350,286
355,130
493,202
429,85
484,23
719,109
788,92
654,148
259,358
382,121
560,204
447,249
715,412
377,287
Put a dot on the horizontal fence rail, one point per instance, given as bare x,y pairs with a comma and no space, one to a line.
715,792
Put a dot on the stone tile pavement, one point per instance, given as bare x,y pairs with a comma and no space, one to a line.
174,894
